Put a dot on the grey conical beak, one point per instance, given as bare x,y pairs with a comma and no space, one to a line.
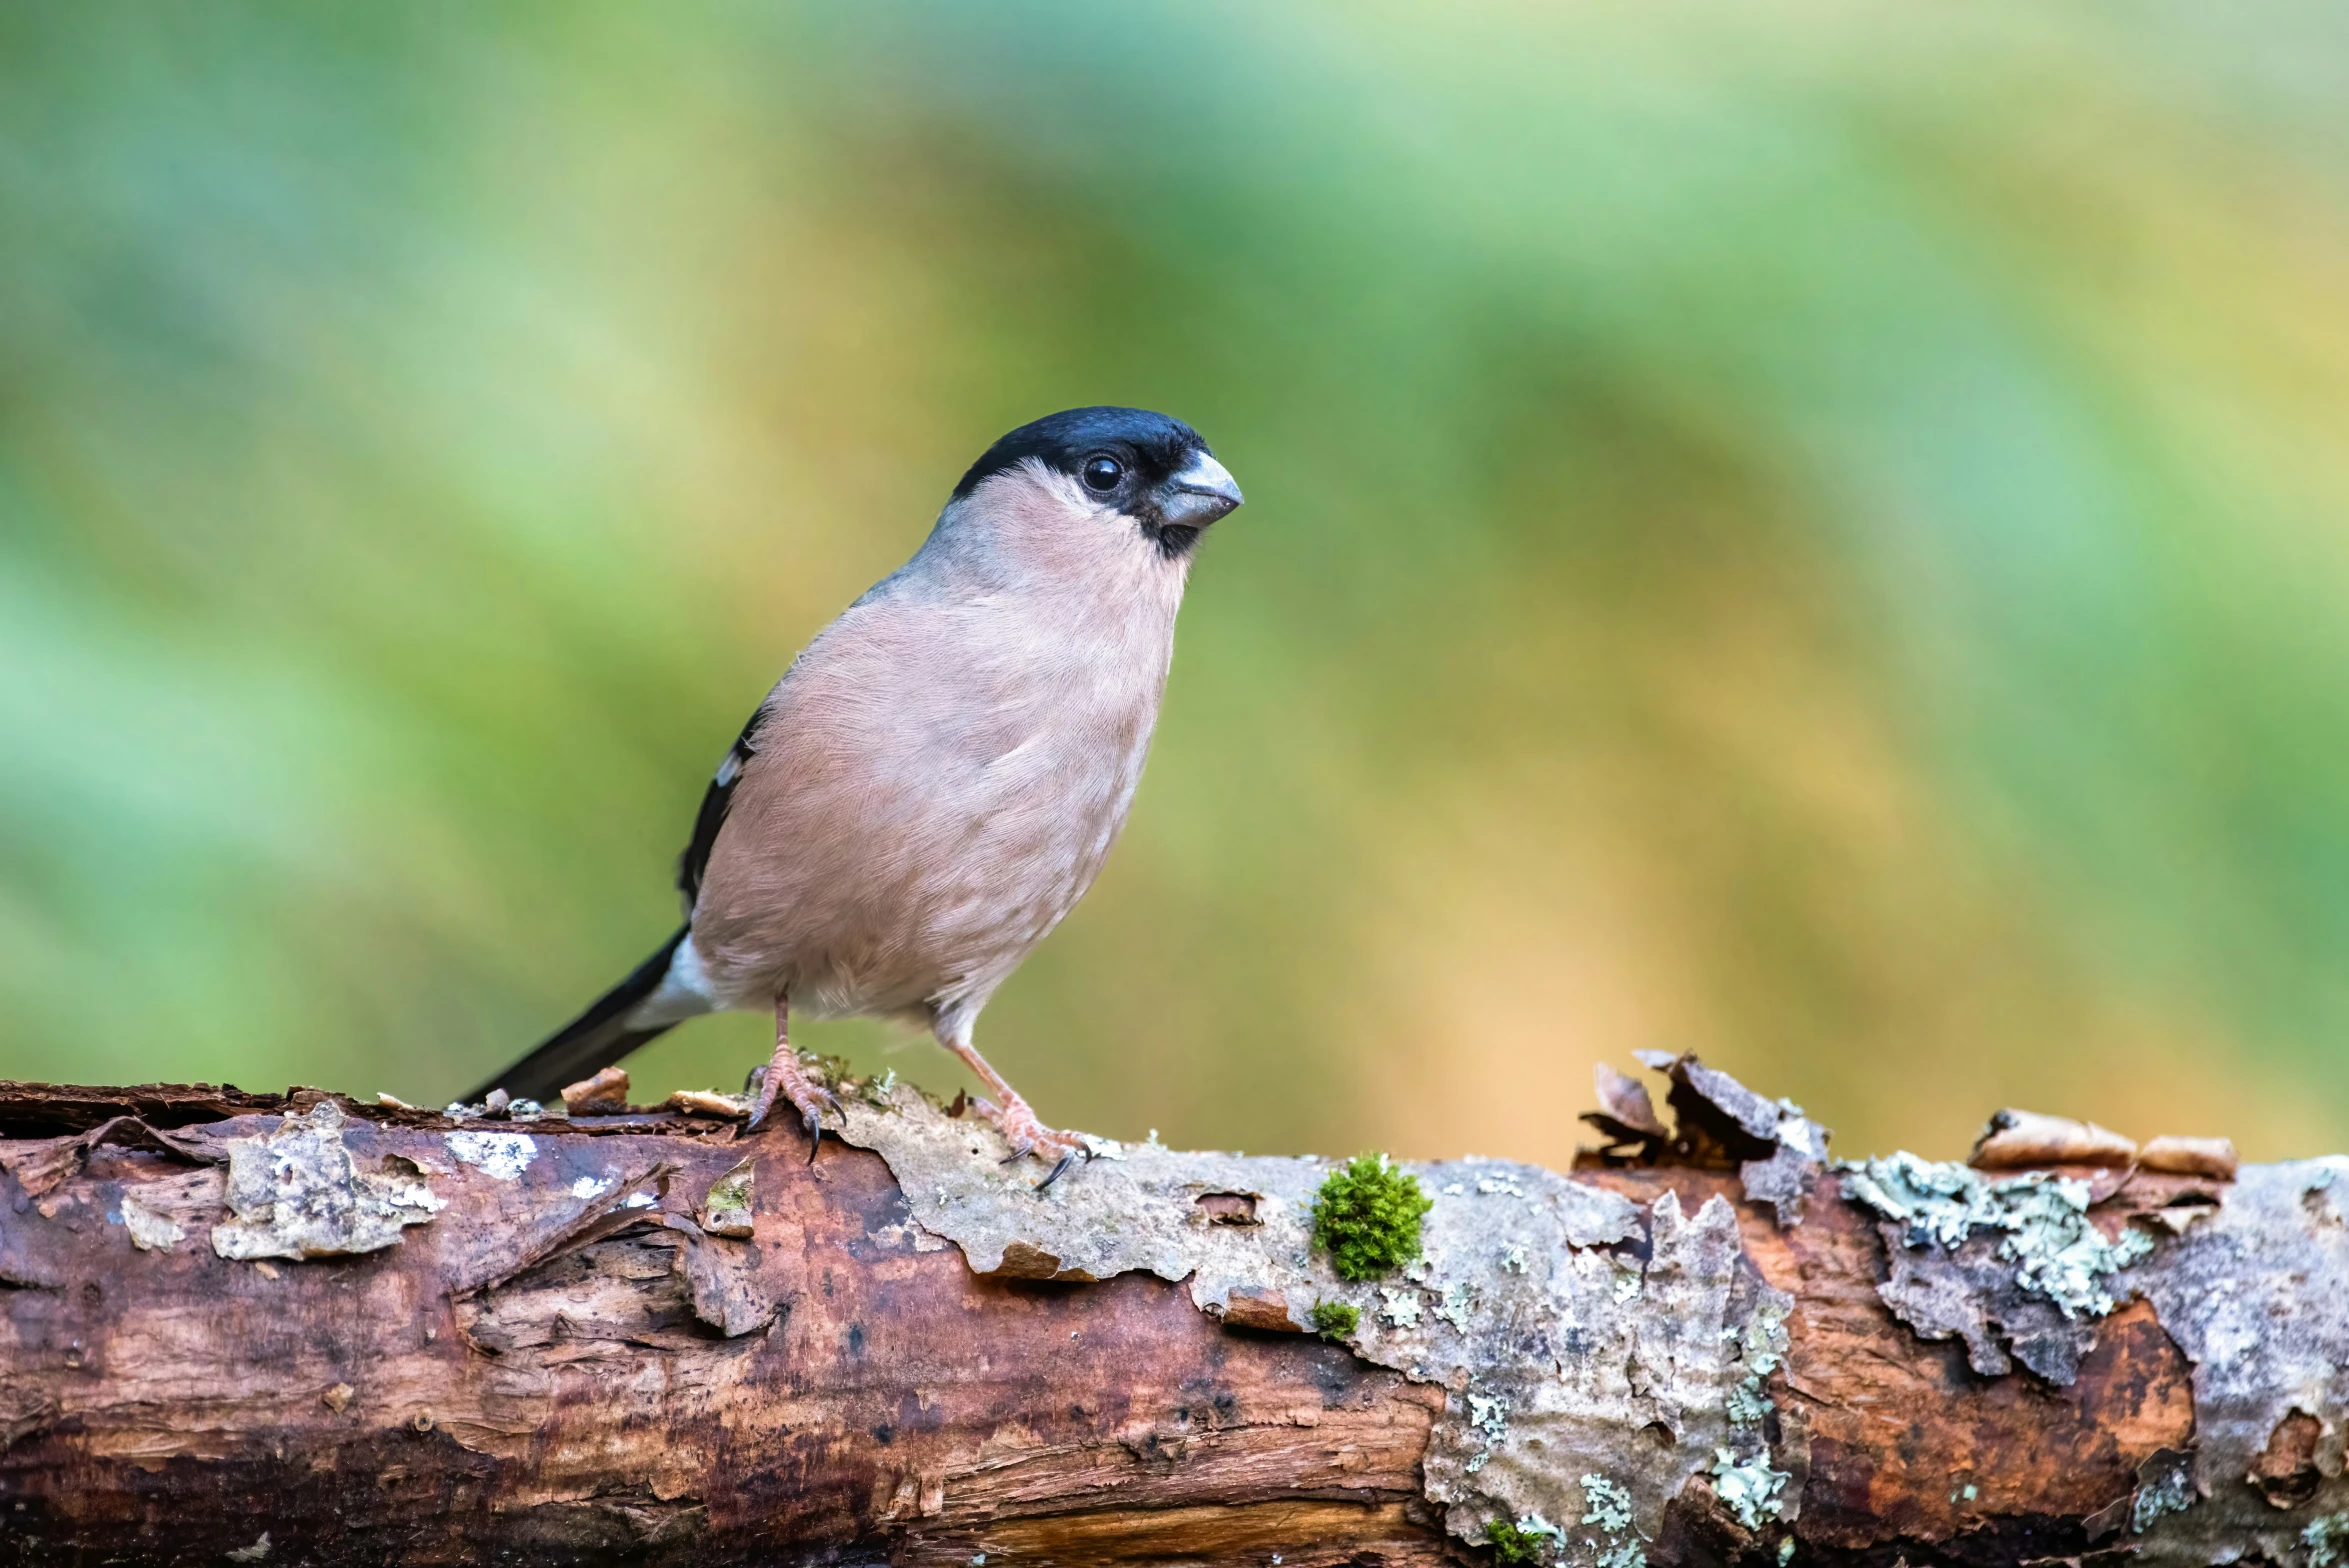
1199,495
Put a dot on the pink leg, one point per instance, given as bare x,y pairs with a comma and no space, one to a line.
1010,1113
785,1077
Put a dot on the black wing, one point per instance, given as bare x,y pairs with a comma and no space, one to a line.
712,816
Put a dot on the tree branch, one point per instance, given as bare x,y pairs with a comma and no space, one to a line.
239,1328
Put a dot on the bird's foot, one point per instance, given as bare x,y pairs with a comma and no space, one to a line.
784,1078
1027,1135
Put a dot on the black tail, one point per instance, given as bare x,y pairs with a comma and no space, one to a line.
591,1042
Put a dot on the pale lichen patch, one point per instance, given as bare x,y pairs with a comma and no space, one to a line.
1402,1307
1748,1488
1488,1416
2165,1485
295,1193
1574,1365
1607,1508
1760,1343
501,1156
1605,1505
1455,1308
2327,1540
2006,1264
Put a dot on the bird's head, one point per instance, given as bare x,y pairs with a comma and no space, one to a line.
1108,468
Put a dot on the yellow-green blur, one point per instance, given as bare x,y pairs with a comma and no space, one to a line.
1816,533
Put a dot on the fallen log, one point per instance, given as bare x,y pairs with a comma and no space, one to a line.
244,1328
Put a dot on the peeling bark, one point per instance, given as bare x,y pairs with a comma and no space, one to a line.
239,1328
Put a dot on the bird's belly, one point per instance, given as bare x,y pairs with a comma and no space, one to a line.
942,887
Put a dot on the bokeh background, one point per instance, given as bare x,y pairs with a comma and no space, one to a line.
1812,532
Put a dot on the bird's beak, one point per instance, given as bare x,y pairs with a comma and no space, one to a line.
1199,494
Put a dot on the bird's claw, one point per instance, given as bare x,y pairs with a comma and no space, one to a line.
807,1096
1026,1135
809,1114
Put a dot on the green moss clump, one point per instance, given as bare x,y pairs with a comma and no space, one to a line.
1335,1320
1367,1215
1512,1547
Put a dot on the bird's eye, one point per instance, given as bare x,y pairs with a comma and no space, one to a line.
1102,472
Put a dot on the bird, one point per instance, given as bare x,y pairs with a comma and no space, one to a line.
938,776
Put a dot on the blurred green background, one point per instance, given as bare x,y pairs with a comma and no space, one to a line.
1815,533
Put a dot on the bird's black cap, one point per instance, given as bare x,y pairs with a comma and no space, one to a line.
1153,445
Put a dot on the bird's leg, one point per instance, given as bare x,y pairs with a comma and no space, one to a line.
1010,1113
784,1076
